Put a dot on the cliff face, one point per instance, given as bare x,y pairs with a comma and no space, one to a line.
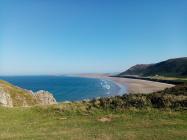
44,97
12,96
5,99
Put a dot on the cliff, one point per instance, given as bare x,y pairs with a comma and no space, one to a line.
13,96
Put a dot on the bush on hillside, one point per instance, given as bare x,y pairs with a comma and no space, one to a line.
175,97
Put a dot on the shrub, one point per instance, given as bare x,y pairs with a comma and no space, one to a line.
175,97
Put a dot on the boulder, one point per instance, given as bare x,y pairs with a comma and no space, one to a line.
44,97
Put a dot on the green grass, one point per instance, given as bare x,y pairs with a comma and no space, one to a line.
168,78
74,122
177,79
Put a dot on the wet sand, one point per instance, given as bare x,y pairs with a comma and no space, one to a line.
133,85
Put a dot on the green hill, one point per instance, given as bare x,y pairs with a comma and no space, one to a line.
172,68
13,96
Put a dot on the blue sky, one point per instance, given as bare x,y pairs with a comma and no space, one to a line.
78,36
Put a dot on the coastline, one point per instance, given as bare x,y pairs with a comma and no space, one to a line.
132,86
122,90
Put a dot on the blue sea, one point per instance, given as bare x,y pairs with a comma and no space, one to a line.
67,88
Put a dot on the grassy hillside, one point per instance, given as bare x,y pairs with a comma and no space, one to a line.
170,68
155,116
173,98
58,122
19,96
138,69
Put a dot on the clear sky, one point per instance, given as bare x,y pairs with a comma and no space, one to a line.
78,36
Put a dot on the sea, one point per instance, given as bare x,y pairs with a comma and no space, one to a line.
68,88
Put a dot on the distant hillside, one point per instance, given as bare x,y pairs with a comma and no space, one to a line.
173,67
138,69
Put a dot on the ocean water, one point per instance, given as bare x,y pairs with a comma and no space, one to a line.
66,88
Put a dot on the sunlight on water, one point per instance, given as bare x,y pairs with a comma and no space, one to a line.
67,88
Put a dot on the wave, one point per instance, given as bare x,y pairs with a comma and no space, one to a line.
106,85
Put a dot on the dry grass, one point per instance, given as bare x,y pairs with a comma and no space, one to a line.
19,96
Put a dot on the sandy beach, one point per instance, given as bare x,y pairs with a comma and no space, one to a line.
133,85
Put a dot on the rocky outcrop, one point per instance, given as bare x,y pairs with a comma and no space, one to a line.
13,96
5,99
44,97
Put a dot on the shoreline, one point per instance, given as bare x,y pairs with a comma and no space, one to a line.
122,90
132,86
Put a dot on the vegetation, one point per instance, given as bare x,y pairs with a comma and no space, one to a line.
178,80
169,68
136,70
159,115
173,98
169,80
58,122
18,95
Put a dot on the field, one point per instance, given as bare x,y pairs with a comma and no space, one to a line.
55,123
157,78
184,79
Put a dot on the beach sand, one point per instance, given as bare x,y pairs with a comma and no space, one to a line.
133,86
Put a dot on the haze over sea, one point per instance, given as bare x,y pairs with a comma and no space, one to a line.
66,88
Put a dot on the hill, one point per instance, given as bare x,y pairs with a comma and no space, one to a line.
13,96
172,68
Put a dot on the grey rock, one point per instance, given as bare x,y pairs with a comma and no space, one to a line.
5,99
44,97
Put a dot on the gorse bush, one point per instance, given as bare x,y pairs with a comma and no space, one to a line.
177,90
173,98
